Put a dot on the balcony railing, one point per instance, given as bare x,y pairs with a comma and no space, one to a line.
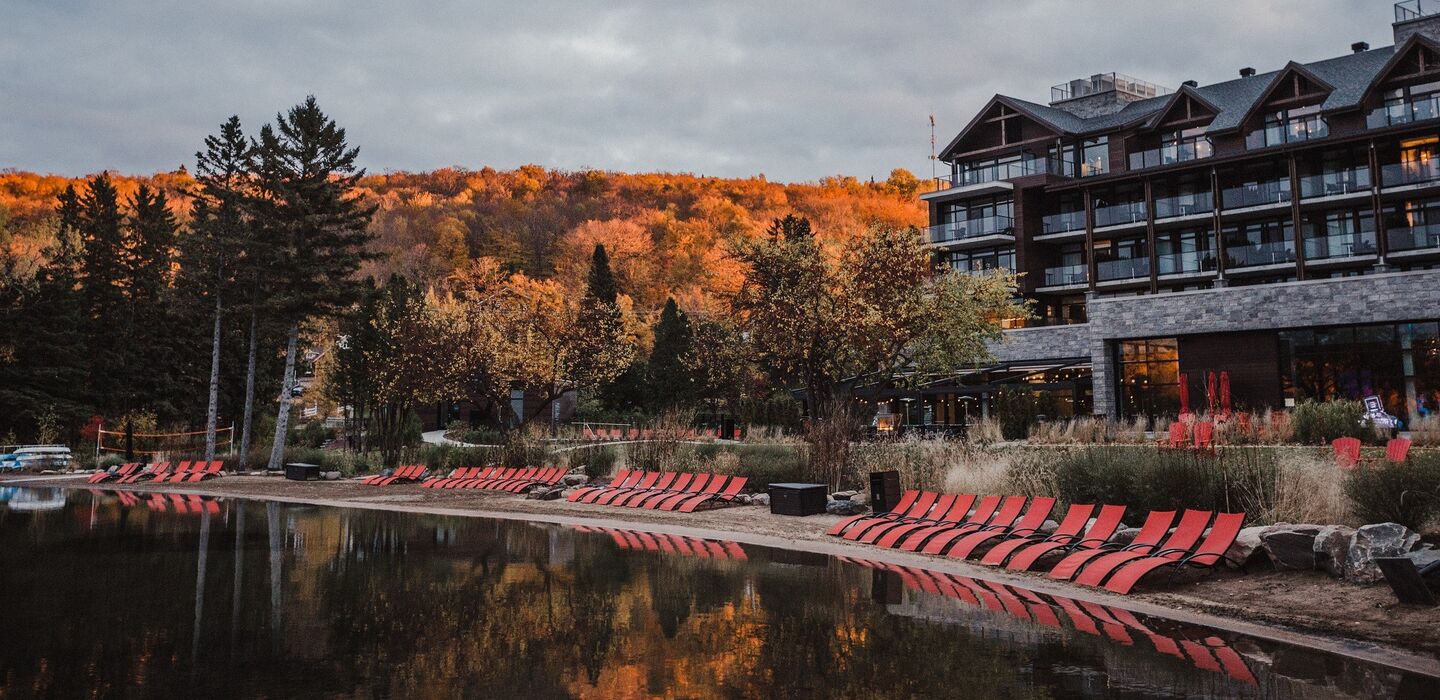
1339,245
1291,131
1185,262
1406,10
1066,275
998,172
1423,237
1335,182
1122,269
971,228
1254,194
1180,152
1412,172
1274,253
1062,222
1122,213
1394,112
1183,205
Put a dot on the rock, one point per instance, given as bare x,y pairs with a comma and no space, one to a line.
1378,540
845,508
1290,547
1048,527
49,471
1246,544
1124,535
844,495
760,499
1331,545
547,494
330,475
575,479
743,499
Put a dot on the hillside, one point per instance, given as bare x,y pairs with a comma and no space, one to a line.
666,233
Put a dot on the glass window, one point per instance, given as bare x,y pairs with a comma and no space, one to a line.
1353,363
1149,377
1095,156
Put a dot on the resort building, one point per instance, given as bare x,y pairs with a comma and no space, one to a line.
1282,227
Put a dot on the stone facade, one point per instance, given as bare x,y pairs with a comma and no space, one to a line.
1043,343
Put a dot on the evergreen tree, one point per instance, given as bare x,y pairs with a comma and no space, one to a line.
601,282
154,380
672,381
599,320
311,214
104,274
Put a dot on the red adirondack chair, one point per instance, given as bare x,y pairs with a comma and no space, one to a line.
1397,450
1347,452
1204,435
1176,436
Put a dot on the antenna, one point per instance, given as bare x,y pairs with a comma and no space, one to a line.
932,148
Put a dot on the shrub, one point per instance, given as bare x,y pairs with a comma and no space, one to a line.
923,463
763,464
596,460
1147,479
1319,422
1407,493
443,458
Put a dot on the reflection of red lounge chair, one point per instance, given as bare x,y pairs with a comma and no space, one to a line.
1154,529
1186,534
902,508
954,513
1210,553
1347,452
1035,516
119,472
672,544
1023,555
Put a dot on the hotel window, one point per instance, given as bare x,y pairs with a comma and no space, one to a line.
1339,233
1149,377
1268,242
1184,251
982,259
1288,126
1415,161
1408,104
1335,173
1413,225
1400,364
1088,157
1183,196
1175,147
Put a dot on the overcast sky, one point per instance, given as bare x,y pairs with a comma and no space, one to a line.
794,90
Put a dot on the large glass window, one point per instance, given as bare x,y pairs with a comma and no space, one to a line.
1408,104
1256,185
1183,196
1068,216
1122,259
1346,363
981,259
1119,205
1149,377
1072,268
1174,147
1265,242
1288,126
1086,158
1334,173
1412,224
1339,233
1184,251
1411,162
974,217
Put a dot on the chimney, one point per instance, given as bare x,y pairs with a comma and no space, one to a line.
1190,83
1247,72
1359,47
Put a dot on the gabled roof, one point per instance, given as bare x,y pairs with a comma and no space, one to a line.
1278,79
1021,106
1185,92
1396,57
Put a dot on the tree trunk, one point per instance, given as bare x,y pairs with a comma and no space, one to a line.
212,411
249,395
282,417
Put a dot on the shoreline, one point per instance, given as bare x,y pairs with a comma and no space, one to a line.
1281,607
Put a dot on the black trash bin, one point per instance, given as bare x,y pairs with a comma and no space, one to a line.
298,471
797,499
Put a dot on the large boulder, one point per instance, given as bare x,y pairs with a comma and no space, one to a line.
1332,545
845,508
1124,536
845,495
575,479
760,499
1290,547
546,493
1378,540
1246,544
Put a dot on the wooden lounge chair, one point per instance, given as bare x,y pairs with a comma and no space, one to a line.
1191,526
1023,554
870,535
713,500
1004,515
1347,452
1157,524
907,499
954,512
156,470
1035,515
1206,556
114,473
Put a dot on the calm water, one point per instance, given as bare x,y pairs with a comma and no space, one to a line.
193,598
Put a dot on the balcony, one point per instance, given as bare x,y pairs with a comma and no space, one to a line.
1340,245
1063,222
1184,263
1183,205
1417,109
1067,275
1256,194
1170,154
1120,214
1275,253
991,178
1294,130
1335,183
1425,237
1122,269
970,229
1410,173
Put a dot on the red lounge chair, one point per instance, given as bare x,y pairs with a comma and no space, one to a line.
1210,552
714,499
633,479
986,512
955,512
547,477
1029,524
943,503
119,472
1186,534
1154,529
199,471
486,477
681,484
401,475
663,484
155,470
910,539
1026,554
647,480
918,509
436,482
619,478
1347,452
906,500
673,501
1068,530
504,480
1176,437
1205,436
181,470
1397,450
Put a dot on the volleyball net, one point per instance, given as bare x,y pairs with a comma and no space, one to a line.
190,442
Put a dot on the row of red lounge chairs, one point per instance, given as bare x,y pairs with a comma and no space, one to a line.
511,479
135,472
682,492
615,434
1007,531
1209,653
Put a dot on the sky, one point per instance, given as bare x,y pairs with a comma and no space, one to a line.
796,91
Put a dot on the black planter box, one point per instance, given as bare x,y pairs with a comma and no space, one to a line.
302,472
797,499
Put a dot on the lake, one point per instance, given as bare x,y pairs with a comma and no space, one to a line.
140,595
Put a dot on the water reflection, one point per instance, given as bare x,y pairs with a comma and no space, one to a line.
116,594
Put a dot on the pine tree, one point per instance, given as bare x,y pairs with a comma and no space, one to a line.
155,380
601,281
672,382
311,213
104,274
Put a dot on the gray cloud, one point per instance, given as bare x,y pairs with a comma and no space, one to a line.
796,91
